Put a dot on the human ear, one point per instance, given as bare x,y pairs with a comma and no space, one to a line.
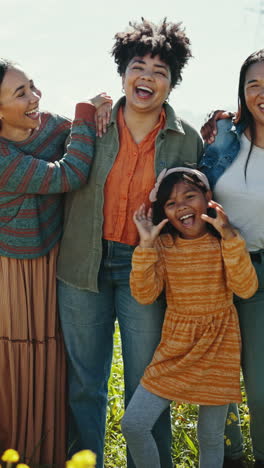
209,195
123,81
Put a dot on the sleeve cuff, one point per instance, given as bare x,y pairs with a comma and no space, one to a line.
234,242
85,111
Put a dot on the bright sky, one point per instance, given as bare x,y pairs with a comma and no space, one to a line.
65,45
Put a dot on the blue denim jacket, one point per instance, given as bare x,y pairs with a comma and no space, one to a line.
219,155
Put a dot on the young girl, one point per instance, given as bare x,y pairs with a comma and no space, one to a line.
198,358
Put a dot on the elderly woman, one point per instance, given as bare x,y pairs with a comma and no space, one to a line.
144,137
234,164
34,171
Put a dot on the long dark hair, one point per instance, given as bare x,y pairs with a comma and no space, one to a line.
4,66
245,116
164,193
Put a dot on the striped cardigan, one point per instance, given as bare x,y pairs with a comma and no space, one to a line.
33,175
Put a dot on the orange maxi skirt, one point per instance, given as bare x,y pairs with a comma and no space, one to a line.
32,361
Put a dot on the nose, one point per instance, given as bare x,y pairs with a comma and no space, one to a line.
181,206
147,74
35,95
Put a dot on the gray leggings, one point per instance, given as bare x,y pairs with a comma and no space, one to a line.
142,413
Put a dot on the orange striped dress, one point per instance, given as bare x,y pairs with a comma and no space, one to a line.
198,358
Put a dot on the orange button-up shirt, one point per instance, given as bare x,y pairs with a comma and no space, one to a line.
129,182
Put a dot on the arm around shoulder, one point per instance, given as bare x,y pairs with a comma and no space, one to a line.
41,176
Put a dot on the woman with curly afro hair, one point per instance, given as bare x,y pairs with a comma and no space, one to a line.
144,136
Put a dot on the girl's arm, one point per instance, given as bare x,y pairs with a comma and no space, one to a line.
241,275
147,275
20,173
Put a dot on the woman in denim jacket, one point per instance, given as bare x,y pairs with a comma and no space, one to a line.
234,165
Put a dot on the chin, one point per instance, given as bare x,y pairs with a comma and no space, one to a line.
35,124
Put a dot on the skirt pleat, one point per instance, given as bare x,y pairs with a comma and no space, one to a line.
32,361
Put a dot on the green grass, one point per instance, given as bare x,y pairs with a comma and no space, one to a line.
184,418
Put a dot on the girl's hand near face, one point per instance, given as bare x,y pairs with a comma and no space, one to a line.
221,222
148,232
103,104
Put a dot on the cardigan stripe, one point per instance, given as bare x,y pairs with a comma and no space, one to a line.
31,204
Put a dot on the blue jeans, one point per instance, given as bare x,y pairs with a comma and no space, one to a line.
143,411
88,320
251,317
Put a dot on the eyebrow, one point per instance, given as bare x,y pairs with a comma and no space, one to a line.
155,64
255,80
22,87
18,89
188,190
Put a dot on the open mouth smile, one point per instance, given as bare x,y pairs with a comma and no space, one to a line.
33,114
144,91
187,220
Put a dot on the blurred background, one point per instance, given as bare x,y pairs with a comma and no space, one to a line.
66,47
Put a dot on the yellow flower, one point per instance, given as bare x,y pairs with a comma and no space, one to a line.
83,459
10,456
246,417
228,442
228,422
233,416
70,464
22,465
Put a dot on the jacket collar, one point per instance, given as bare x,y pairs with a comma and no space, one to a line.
173,122
238,129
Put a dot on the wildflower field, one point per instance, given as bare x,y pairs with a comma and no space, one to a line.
184,417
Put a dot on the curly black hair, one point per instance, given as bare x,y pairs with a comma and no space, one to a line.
167,40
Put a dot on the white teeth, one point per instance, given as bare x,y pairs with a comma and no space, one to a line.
186,216
144,88
262,106
32,111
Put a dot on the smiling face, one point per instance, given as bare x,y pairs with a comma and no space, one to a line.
19,102
147,84
184,208
254,92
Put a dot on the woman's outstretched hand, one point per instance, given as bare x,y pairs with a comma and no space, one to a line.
148,232
103,104
221,222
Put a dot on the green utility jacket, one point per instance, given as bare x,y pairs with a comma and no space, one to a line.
81,246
